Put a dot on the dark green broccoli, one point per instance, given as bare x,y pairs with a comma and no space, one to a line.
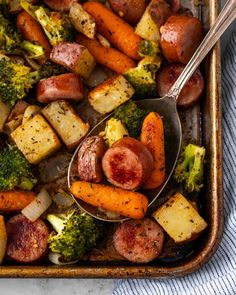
148,48
56,26
15,81
132,117
34,51
143,77
49,69
190,166
76,234
15,171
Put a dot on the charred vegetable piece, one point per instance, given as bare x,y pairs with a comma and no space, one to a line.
49,69
15,171
148,48
132,116
179,219
76,234
190,168
3,238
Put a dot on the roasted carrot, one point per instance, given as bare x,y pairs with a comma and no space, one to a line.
126,203
32,31
109,57
120,34
15,201
152,135
3,239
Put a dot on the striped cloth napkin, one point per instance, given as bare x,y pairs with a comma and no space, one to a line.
218,277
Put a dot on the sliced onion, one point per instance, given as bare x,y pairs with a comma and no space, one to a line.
38,206
55,258
63,200
97,77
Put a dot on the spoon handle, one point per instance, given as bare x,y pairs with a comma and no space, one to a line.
225,18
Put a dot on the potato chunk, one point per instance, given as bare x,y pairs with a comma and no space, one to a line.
3,238
179,219
110,94
4,112
36,139
66,122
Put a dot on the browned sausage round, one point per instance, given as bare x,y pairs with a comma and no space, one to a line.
191,91
127,164
27,240
174,5
139,241
59,5
130,10
65,86
32,31
90,159
180,37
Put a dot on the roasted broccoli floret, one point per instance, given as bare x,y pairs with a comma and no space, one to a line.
15,81
49,69
9,36
76,234
56,26
148,48
132,117
190,166
15,170
34,51
143,77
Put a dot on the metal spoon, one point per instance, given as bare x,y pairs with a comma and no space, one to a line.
166,107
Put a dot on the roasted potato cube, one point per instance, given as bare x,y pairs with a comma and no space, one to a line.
66,122
30,112
3,238
179,219
4,112
74,57
110,94
82,21
36,139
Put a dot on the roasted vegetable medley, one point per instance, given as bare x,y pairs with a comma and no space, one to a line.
59,61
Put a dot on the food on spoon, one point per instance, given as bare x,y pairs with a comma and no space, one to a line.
60,5
114,131
82,21
27,241
30,112
76,234
108,57
127,203
119,33
66,122
74,57
180,37
130,10
90,159
139,241
132,116
179,219
190,168
192,90
56,25
15,171
36,139
3,239
15,200
148,48
143,77
65,86
110,94
32,31
152,136
153,18
127,164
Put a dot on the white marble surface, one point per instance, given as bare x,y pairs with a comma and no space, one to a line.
67,286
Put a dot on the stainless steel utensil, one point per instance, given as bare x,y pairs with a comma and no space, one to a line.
166,107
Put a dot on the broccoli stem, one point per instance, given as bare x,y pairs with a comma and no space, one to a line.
56,222
26,184
34,51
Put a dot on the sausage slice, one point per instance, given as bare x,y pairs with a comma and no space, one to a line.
192,90
139,241
27,240
180,37
127,164
59,5
65,86
90,157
